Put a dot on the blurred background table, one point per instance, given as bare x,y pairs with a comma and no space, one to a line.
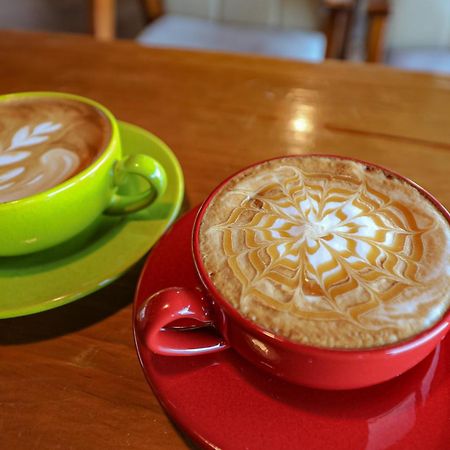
70,377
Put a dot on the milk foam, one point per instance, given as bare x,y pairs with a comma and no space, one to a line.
53,167
327,248
45,141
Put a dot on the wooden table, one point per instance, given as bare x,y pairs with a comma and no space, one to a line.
70,378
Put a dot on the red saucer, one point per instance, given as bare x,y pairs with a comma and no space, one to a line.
223,402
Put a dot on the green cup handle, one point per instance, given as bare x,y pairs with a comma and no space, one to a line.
147,168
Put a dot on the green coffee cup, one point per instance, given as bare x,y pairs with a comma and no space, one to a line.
48,217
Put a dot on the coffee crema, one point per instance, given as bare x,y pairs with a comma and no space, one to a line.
328,252
45,141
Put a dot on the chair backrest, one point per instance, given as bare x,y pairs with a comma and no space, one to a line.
419,23
304,14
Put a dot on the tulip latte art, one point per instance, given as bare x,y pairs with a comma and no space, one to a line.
328,252
45,141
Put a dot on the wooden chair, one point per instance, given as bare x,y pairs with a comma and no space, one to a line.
294,32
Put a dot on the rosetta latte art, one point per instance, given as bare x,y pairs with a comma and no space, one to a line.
312,247
23,174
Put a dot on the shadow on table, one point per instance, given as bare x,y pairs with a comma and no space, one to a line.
190,445
74,316
79,314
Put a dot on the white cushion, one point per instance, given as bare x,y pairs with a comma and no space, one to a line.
190,32
303,14
423,59
419,23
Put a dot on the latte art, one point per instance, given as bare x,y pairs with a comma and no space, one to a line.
55,165
328,255
43,142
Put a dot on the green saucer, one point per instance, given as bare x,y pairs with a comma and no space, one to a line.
101,253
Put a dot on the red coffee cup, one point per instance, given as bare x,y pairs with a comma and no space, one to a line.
167,316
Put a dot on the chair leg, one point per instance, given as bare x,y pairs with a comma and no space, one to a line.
103,16
375,37
337,31
153,9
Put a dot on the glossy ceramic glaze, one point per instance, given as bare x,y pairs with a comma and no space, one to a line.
223,402
97,256
40,221
307,365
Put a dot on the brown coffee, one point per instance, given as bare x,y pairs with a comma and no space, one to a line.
328,252
45,141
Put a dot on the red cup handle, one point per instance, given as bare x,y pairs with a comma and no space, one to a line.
177,322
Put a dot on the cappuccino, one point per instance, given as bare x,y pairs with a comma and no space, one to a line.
328,252
45,141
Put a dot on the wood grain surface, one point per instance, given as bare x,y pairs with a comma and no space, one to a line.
70,378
